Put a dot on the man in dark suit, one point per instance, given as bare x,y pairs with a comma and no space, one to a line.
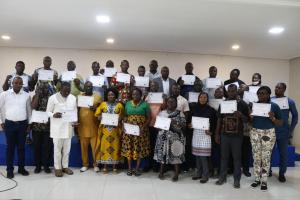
164,82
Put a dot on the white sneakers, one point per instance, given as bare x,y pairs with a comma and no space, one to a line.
96,169
83,169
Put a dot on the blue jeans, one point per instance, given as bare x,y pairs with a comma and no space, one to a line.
15,133
282,145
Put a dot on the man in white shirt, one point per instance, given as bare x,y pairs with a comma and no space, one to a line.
153,73
164,82
62,110
15,112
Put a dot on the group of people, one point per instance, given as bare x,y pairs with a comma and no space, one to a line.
223,144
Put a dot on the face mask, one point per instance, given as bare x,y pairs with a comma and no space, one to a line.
255,82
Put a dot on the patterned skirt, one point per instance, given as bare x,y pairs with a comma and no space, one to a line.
169,148
201,143
135,147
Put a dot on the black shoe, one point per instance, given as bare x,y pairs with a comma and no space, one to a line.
196,178
204,180
270,174
23,172
236,184
221,181
255,184
247,173
282,178
264,186
37,170
10,174
47,170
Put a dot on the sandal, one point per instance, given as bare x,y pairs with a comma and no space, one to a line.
105,170
136,172
129,173
115,170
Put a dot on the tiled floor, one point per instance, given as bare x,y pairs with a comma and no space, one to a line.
89,185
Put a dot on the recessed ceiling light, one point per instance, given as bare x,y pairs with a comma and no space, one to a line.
103,19
110,40
235,47
5,37
276,30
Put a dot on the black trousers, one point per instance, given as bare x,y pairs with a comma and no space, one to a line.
190,160
15,133
42,148
153,135
246,153
231,144
202,166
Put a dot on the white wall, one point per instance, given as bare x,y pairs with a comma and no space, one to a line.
272,70
295,94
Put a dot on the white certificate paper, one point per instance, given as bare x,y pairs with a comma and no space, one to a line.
85,101
97,81
261,109
45,75
215,103
155,97
253,89
69,116
193,97
201,123
282,102
39,117
235,83
132,129
110,119
68,76
141,81
188,79
123,78
25,81
109,71
228,106
250,97
162,123
213,83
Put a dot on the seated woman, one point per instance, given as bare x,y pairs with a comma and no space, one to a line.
170,145
110,136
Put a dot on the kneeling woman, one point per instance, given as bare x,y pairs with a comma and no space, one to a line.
263,138
169,148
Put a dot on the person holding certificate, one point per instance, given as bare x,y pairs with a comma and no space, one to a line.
100,90
108,64
144,89
263,138
229,133
123,88
185,88
20,67
234,78
136,147
284,132
41,131
164,82
201,142
52,81
155,108
212,82
61,130
169,148
110,136
88,128
153,72
76,82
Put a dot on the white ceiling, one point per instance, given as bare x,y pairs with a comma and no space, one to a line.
190,26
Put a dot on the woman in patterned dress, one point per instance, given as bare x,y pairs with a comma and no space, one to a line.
110,136
123,88
169,148
134,147
201,142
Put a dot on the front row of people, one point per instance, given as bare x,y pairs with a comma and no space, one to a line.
110,144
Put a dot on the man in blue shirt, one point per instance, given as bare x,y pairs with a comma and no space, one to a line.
284,132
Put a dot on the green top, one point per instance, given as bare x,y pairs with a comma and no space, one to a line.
142,108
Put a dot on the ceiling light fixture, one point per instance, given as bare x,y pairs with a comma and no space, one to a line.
110,40
276,30
235,47
104,19
5,37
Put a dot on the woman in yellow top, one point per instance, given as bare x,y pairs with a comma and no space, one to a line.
110,136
